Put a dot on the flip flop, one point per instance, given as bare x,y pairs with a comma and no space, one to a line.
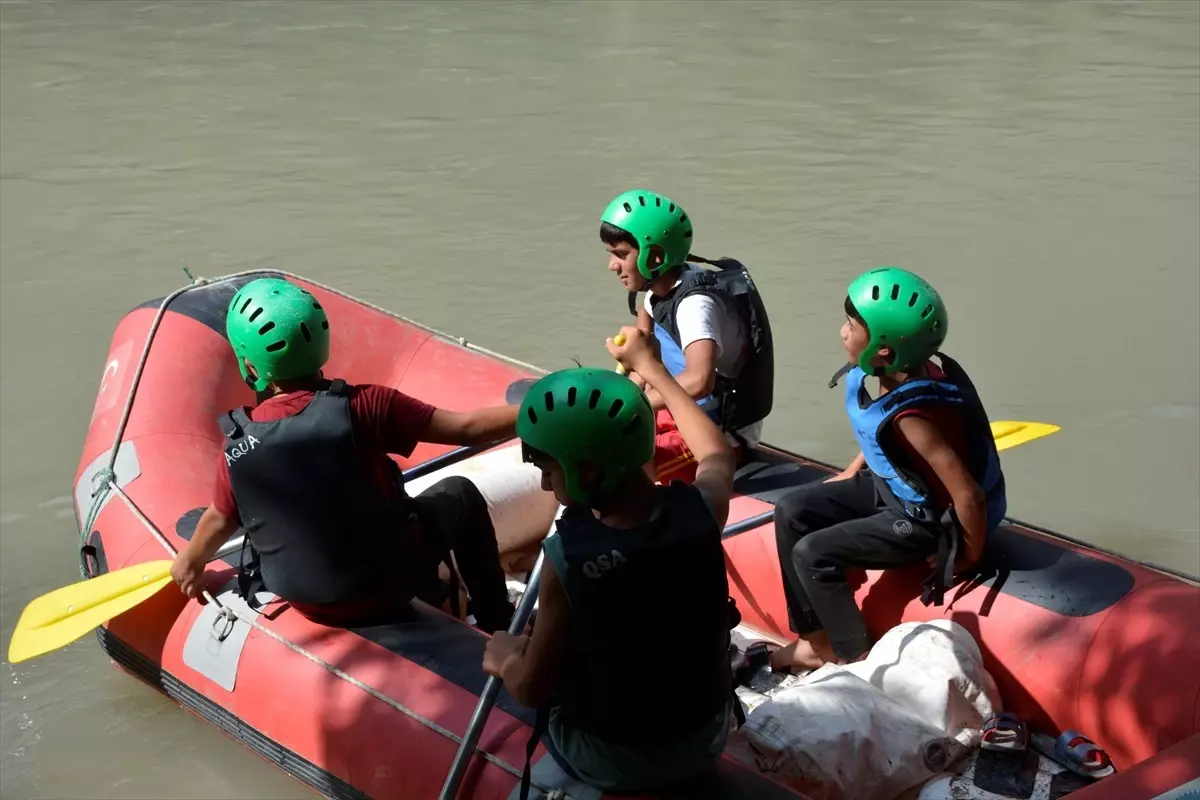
1004,732
1076,752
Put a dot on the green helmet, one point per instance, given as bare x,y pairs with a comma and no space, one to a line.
652,220
280,327
903,312
592,415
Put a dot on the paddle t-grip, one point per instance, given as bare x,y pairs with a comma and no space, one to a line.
619,340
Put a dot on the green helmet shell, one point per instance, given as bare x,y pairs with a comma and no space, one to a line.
652,220
592,415
280,327
903,312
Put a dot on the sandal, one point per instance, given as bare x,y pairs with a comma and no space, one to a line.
1005,732
1076,752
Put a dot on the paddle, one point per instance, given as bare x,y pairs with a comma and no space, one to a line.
515,394
60,617
491,689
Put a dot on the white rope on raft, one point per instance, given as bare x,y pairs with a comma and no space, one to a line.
107,483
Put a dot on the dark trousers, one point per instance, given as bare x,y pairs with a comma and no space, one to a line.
823,529
453,517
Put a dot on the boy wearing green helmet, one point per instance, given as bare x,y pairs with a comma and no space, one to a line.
628,559
710,326
932,489
306,473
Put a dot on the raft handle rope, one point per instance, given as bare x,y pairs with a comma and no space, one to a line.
104,481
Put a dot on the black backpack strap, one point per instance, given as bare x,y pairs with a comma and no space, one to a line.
232,422
633,304
540,725
337,387
249,579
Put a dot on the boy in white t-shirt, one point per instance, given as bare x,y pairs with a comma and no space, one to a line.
710,326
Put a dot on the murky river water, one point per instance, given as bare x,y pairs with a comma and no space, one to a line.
1039,162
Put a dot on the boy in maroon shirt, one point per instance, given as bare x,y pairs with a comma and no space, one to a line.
307,474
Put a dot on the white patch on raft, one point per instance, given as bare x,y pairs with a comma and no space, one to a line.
521,512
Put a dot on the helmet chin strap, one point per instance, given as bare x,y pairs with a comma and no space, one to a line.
876,372
841,373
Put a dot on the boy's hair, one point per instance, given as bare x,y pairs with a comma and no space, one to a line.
853,314
610,234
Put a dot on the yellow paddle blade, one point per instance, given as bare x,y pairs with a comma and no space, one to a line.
1010,434
56,619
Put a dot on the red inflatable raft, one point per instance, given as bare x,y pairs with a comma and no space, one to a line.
1076,638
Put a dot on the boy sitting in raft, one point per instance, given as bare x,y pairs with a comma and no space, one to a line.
710,327
629,560
933,489
306,473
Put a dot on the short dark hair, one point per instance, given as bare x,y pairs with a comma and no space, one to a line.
853,314
610,234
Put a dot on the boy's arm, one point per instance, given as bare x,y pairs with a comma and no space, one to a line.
528,665
714,457
851,470
212,531
970,503
645,322
481,426
699,377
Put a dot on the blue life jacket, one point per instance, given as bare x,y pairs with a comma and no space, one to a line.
903,488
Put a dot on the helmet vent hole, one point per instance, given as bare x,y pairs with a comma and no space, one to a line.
658,202
324,324
912,301
629,208
926,311
615,408
246,305
642,200
549,397
687,234
266,328
671,208
316,305
305,332
257,311
631,426
594,399
875,292
683,217
275,347
895,291
532,415
571,397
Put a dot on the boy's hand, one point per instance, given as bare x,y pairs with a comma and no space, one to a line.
636,353
502,648
188,575
967,558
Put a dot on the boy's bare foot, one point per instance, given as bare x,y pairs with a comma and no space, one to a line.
808,653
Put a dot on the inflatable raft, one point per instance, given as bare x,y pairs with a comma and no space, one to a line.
1076,638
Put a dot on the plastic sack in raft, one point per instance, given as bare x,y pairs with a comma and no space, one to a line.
871,730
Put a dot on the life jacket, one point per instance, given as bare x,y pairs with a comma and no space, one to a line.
741,399
322,532
625,588
903,489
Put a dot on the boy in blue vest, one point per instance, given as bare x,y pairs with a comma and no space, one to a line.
933,489
628,560
710,326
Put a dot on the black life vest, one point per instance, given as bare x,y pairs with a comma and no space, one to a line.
746,397
323,532
627,588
